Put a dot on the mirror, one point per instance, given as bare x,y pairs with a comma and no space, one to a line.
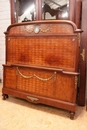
29,10
24,10
55,9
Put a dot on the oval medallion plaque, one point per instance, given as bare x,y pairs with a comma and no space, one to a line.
37,29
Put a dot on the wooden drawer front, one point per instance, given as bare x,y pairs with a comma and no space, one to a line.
59,52
43,83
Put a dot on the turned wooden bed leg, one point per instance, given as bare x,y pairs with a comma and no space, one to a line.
72,114
4,96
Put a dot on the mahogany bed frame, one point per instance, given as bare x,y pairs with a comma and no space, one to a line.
42,63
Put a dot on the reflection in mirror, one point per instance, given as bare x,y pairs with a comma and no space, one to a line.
55,9
25,10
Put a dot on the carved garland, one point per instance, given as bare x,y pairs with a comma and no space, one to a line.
36,29
34,75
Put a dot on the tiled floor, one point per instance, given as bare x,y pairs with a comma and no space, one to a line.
17,114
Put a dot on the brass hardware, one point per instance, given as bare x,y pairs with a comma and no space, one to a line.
73,39
45,30
83,54
28,30
76,81
34,75
55,76
36,29
24,76
79,38
32,98
9,39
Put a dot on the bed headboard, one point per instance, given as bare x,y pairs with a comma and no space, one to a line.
43,43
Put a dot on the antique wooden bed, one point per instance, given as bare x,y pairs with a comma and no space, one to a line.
42,63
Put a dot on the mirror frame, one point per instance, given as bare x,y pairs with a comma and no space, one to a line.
38,3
